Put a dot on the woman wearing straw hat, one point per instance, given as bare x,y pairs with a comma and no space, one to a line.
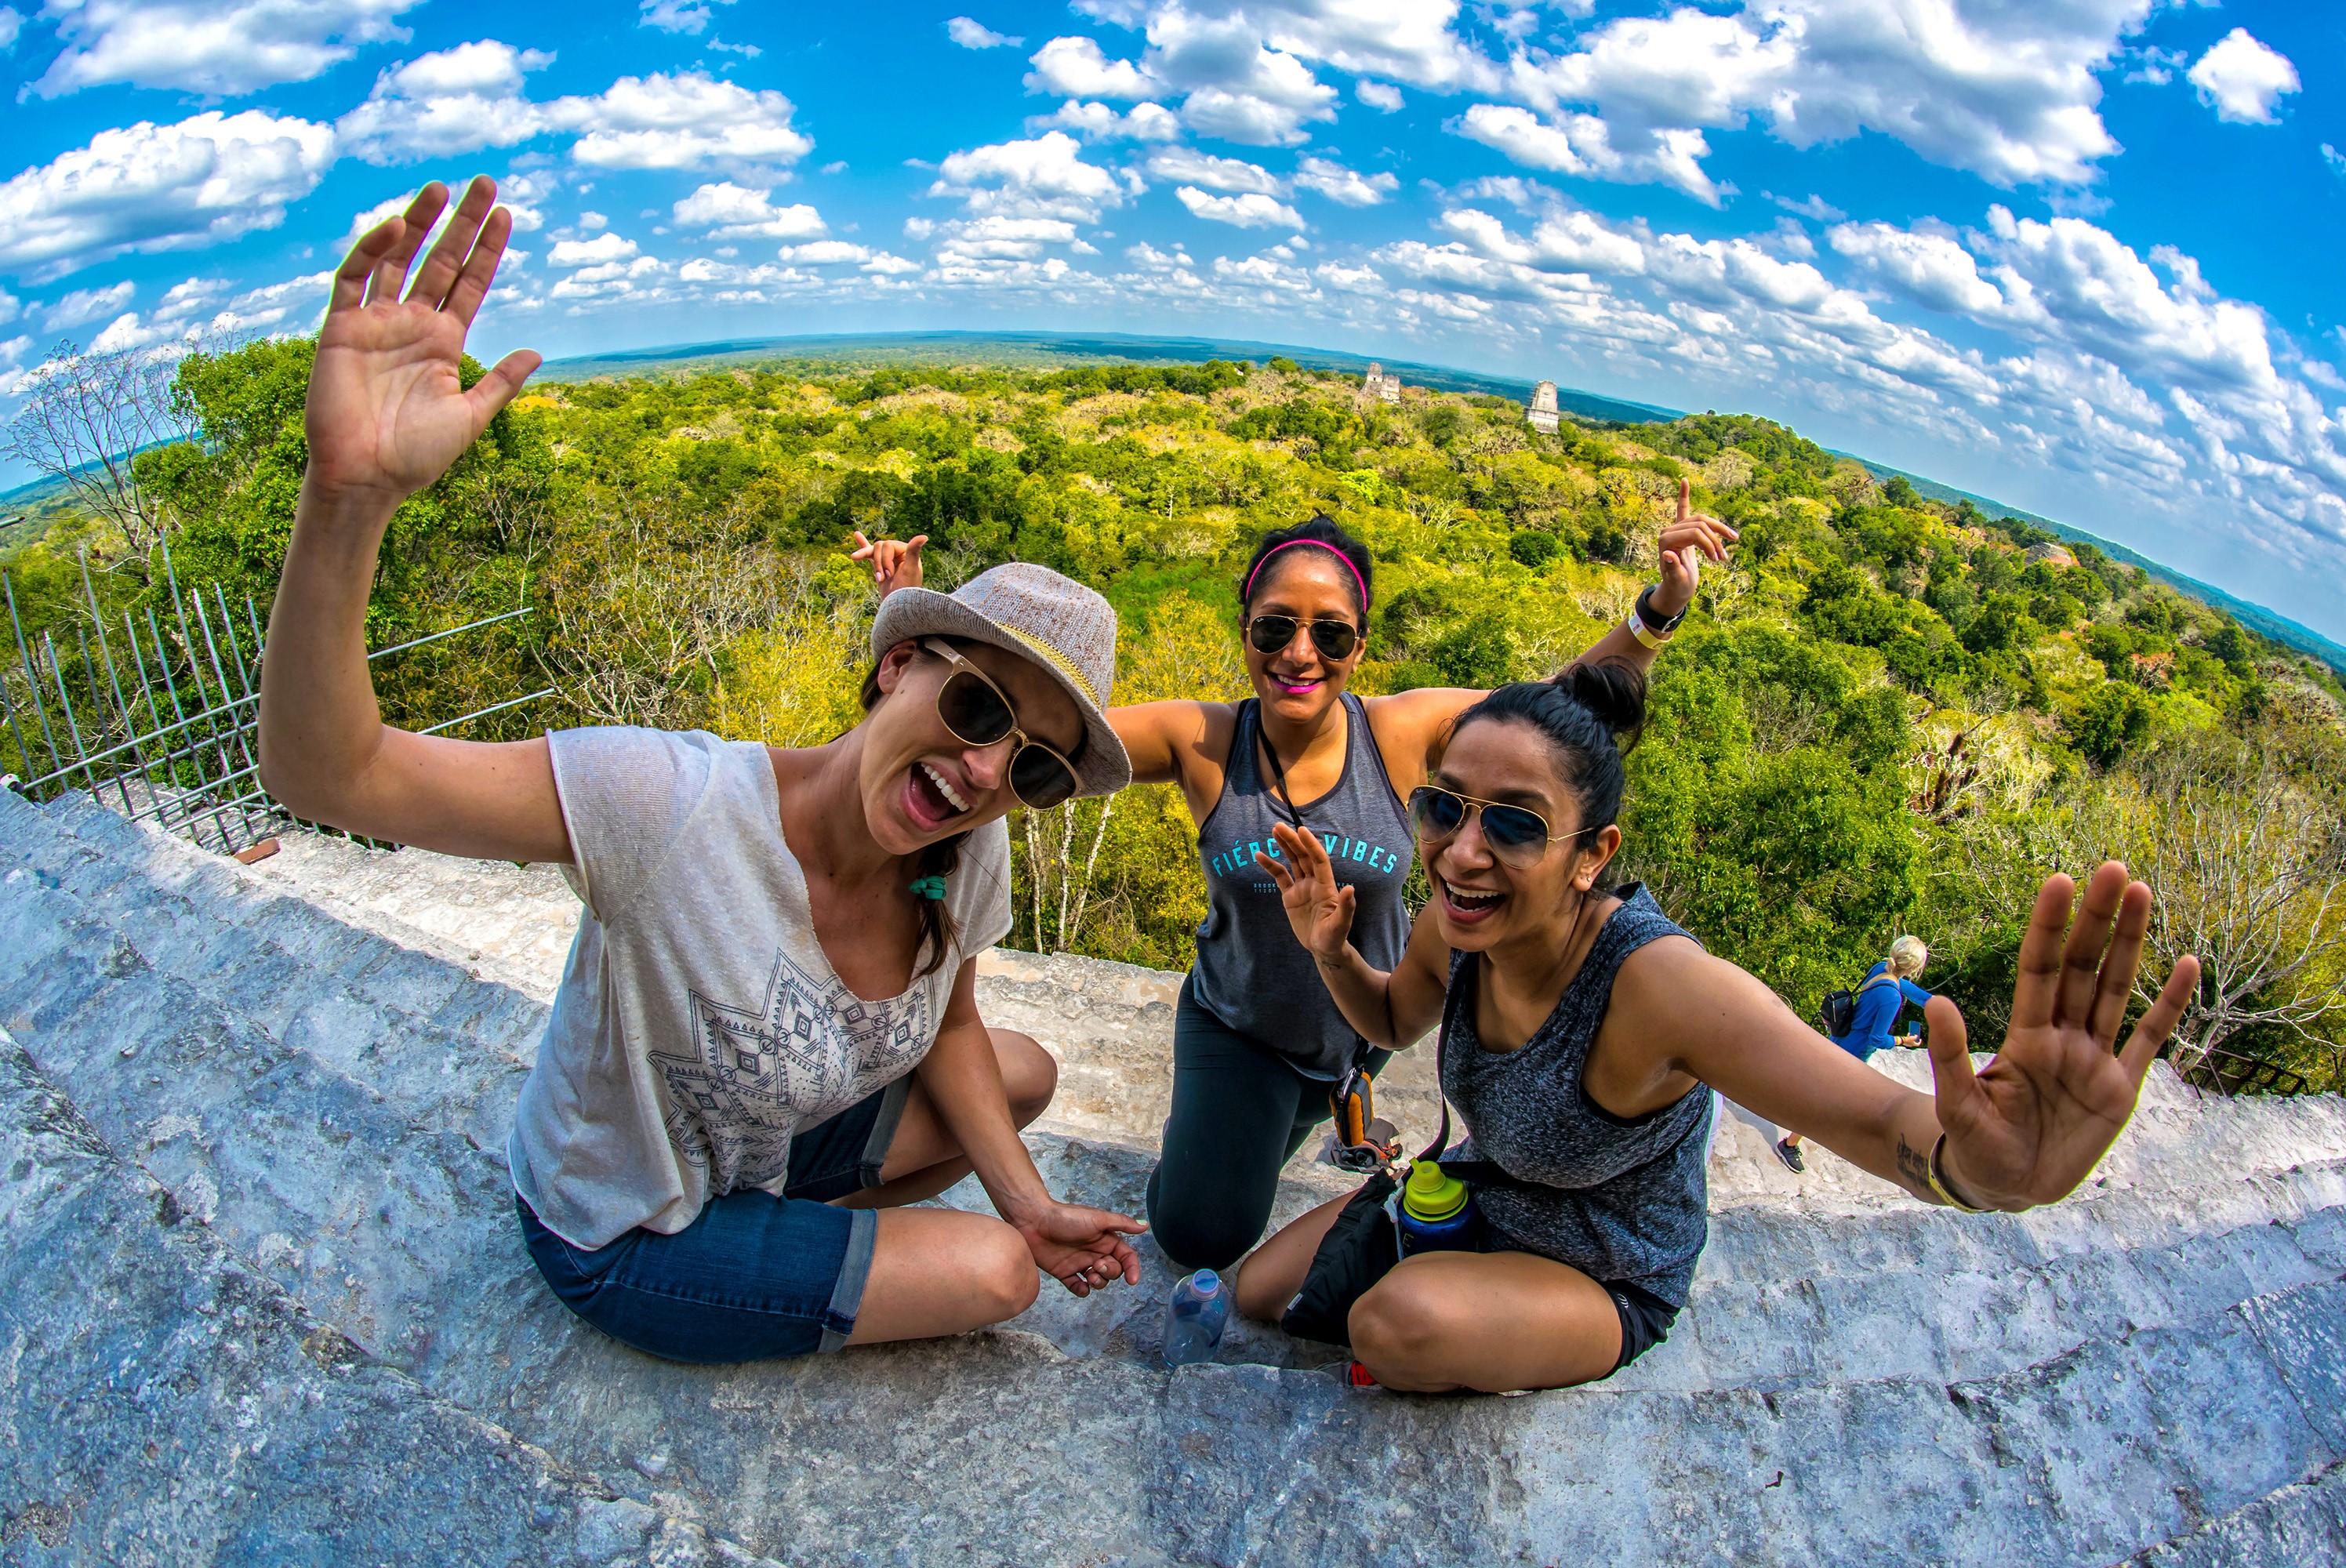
1257,1044
767,1037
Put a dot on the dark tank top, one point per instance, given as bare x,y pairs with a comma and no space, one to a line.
1251,973
1618,1199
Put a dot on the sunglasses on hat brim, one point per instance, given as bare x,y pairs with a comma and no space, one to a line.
979,713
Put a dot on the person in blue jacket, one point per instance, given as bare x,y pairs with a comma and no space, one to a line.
1881,996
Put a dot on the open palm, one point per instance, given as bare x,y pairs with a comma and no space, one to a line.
387,412
1320,912
2029,1127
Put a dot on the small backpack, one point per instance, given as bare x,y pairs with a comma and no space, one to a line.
1840,1009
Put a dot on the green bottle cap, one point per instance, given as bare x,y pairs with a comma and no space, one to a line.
1432,1194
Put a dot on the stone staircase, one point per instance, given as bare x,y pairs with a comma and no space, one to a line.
263,1301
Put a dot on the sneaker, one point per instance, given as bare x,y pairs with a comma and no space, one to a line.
1789,1152
1357,1376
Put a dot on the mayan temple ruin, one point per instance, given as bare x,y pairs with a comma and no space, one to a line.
1542,412
264,1303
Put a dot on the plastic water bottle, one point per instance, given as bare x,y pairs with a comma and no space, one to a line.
1437,1211
1195,1316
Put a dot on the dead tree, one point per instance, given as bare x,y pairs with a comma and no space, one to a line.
87,415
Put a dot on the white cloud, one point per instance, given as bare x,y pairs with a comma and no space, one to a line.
1380,95
823,253
149,188
1931,269
9,307
1585,144
439,104
1097,122
12,22
600,250
1074,67
687,121
974,35
2335,160
1337,183
1187,164
1042,178
736,213
2241,79
1252,210
687,16
222,47
85,305
1815,206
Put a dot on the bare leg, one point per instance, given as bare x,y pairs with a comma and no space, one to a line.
923,1160
1492,1322
1272,1274
939,1272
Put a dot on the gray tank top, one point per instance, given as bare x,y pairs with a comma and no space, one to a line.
1251,973
1630,1200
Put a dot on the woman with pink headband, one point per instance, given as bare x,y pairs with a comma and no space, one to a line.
1260,1049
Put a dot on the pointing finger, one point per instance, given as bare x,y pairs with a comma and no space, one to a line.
1686,498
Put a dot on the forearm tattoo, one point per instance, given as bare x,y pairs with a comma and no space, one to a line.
1914,1167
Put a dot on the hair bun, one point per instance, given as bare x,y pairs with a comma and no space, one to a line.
1614,694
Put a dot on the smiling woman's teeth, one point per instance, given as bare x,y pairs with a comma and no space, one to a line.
1466,901
944,789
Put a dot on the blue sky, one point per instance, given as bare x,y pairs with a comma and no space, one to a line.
2080,254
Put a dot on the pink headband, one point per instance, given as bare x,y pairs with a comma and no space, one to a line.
1246,589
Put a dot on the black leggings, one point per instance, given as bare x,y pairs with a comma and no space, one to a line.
1239,1113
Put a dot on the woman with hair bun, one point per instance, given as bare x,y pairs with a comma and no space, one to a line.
1258,1047
1580,1033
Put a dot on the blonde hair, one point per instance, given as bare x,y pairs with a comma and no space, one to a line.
1907,956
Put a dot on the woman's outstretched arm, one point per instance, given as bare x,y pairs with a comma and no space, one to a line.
386,416
2022,1131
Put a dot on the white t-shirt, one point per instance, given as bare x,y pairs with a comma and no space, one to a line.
699,1024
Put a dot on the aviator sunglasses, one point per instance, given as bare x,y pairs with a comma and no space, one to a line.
978,712
1518,839
1335,640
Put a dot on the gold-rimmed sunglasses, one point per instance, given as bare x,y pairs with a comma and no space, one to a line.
979,713
1518,836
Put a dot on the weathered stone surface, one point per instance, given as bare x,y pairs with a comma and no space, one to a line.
1858,1378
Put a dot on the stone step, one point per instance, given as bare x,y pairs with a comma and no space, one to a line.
166,1405
2303,1525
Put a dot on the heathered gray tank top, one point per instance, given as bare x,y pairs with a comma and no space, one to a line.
1630,1198
1251,973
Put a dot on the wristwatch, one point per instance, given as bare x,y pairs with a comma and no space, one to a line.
1650,629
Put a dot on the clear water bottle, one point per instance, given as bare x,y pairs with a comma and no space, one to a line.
1437,1211
1195,1316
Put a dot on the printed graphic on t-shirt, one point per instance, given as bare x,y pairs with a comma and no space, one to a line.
811,1049
1353,860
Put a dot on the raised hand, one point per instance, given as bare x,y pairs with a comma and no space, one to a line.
2028,1127
387,413
1320,912
1685,542
1084,1249
895,563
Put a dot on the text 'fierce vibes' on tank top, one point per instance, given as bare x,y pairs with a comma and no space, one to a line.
1251,973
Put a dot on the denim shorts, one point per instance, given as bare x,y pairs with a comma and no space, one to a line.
754,1276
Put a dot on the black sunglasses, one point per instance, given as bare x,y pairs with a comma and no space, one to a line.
1517,838
1335,638
978,712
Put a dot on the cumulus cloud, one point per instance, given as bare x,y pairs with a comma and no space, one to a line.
602,249
687,16
825,253
974,35
686,121
1337,183
1585,145
1097,122
85,305
730,211
149,188
11,23
1076,67
453,101
2241,79
222,47
1253,210
1380,95
1042,177
1188,165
